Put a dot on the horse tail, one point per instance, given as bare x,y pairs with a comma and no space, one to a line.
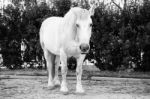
41,37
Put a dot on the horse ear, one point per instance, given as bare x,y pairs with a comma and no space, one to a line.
93,5
92,10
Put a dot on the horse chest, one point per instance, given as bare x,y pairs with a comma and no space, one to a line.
71,49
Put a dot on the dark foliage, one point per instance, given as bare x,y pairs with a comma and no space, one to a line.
117,41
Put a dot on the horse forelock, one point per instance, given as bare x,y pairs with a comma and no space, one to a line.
84,14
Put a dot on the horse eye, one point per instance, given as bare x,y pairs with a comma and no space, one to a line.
77,25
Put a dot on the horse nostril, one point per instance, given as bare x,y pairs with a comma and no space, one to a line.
84,47
87,47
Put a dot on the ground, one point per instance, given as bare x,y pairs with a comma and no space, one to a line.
33,85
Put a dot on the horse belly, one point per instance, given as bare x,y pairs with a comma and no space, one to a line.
52,45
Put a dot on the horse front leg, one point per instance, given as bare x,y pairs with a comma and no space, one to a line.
63,59
79,88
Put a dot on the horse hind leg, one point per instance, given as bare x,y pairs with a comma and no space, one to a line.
50,62
56,78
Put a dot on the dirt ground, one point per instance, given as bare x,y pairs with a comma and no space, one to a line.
35,87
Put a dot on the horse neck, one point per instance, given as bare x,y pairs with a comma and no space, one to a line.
69,26
71,34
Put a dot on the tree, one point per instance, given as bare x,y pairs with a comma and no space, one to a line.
119,37
11,36
62,6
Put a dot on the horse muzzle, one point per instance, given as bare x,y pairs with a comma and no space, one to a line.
84,48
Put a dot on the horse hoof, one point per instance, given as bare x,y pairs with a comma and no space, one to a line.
64,91
80,92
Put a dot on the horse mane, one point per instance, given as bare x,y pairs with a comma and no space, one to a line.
71,18
76,13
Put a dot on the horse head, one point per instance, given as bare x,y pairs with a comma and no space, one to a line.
81,24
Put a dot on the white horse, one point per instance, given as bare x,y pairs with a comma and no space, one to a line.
64,37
